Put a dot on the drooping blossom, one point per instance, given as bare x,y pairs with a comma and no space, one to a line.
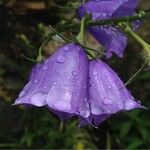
110,37
59,83
107,94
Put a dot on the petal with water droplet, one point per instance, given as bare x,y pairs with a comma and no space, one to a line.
104,101
57,77
111,38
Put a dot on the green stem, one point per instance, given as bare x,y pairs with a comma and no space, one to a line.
80,36
115,21
145,45
108,144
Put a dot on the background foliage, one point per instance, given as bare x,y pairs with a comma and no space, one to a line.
23,30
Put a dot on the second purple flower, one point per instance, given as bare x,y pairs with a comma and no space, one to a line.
110,37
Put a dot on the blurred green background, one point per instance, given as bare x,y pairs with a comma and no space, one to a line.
23,31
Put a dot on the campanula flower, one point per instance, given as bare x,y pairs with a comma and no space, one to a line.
60,83
107,94
110,37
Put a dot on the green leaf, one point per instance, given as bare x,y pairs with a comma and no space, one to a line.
125,129
135,143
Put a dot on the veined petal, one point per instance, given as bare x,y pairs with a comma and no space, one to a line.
107,94
60,82
99,9
111,38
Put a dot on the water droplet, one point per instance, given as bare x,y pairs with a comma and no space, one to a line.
64,90
107,101
45,87
85,99
76,94
65,73
74,80
104,14
61,59
45,67
75,73
38,99
70,92
44,96
109,86
94,73
54,83
35,81
66,49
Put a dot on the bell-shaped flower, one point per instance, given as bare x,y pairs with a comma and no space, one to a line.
60,83
107,94
111,38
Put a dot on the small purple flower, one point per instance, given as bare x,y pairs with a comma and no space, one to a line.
107,94
60,83
111,38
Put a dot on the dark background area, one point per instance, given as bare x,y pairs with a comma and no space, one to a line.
23,30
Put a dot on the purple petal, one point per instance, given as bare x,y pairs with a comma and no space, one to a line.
99,9
59,82
107,94
111,38
126,9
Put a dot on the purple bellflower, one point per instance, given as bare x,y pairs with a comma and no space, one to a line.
107,94
69,86
111,38
60,83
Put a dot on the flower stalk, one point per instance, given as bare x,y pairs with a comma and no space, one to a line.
145,45
115,21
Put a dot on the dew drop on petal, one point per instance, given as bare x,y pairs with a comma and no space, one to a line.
107,101
64,90
74,73
70,92
61,59
35,81
94,73
38,99
66,49
45,87
65,73
54,83
45,67
109,86
85,99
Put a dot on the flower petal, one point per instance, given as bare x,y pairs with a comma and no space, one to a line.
60,82
99,9
126,9
69,80
107,93
111,38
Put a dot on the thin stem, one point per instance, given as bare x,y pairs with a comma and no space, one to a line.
108,144
138,71
28,58
145,45
94,50
76,42
115,21
60,35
